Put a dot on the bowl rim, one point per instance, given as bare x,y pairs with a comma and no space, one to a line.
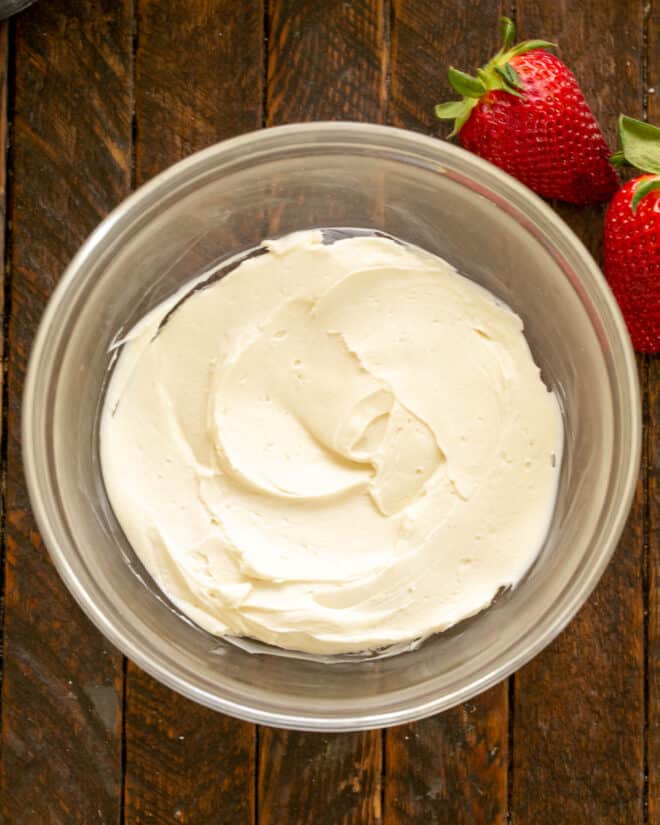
546,627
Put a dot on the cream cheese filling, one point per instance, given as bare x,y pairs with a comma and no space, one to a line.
334,448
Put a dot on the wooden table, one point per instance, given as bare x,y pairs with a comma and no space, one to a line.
97,96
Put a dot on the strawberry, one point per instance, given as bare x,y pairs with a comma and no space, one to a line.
631,243
525,112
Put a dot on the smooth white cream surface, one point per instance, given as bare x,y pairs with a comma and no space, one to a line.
334,448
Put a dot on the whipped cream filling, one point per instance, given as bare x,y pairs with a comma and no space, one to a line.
334,448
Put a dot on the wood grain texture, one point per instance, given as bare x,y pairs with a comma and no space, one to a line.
199,70
199,77
428,36
653,652
314,779
61,730
184,763
579,706
4,138
451,769
326,61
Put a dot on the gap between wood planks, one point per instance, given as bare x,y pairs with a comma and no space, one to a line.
6,100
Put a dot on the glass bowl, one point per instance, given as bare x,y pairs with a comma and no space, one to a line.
227,199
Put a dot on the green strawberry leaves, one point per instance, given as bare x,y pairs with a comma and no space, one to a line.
643,188
465,84
508,32
456,110
528,45
451,109
640,145
498,73
508,50
512,82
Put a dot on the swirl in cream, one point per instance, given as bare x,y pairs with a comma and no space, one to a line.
334,448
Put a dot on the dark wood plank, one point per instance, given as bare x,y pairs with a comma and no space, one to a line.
61,731
451,769
314,779
4,139
428,36
579,706
199,77
326,61
199,70
184,763
653,652
653,447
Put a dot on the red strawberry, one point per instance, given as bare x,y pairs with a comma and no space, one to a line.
526,113
632,235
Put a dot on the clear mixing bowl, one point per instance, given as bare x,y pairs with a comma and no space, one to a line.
227,199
